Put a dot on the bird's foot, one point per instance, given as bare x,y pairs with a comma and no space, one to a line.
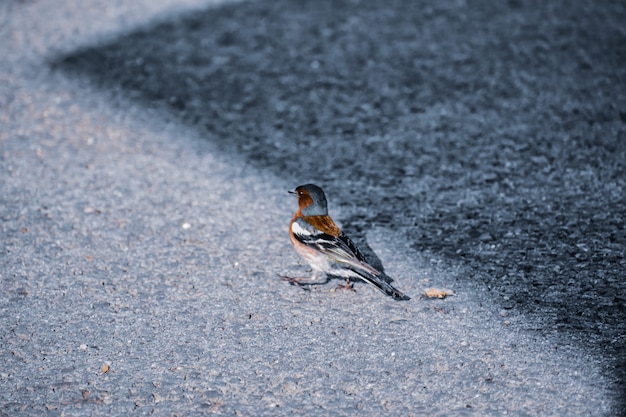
306,282
295,281
348,286
303,281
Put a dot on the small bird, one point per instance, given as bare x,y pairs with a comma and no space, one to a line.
317,238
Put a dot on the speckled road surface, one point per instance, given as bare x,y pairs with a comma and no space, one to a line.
142,236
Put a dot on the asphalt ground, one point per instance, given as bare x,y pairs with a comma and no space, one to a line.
475,147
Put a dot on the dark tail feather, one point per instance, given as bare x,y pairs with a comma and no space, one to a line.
385,287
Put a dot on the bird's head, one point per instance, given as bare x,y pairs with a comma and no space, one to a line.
311,200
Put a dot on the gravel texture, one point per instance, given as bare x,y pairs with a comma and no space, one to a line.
146,150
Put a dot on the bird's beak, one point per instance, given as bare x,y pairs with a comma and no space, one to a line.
291,191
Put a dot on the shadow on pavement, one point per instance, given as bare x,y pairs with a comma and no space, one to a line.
493,133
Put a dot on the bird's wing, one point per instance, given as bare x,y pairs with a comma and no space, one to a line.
340,249
353,247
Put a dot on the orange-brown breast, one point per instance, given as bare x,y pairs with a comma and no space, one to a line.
325,224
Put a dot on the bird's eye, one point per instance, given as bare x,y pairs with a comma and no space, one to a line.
300,193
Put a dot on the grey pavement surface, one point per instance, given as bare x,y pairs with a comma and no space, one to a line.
142,232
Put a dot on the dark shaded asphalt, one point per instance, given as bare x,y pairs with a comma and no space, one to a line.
488,137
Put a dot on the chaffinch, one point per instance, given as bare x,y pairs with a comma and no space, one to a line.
317,238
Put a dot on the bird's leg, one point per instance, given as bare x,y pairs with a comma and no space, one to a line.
347,286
